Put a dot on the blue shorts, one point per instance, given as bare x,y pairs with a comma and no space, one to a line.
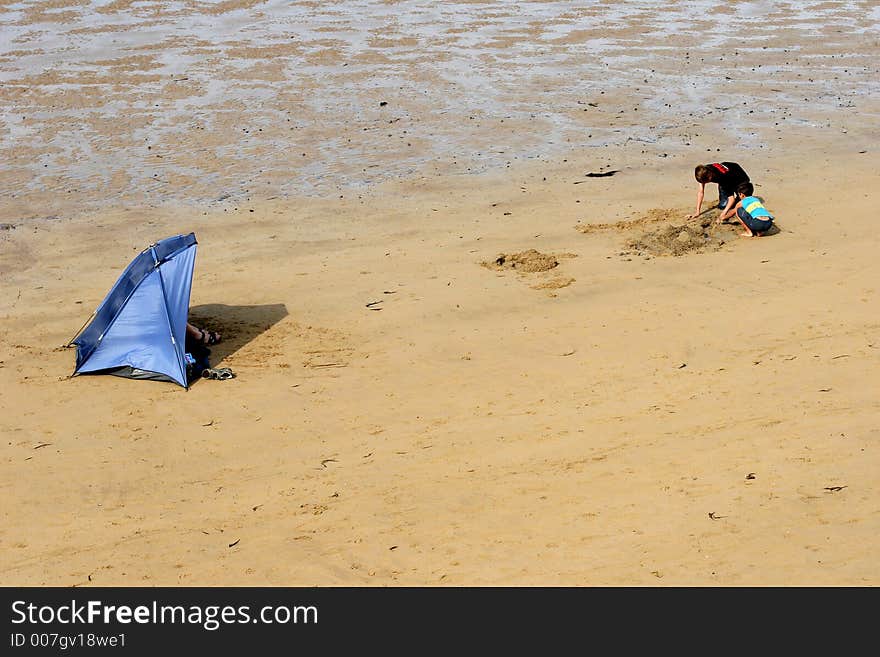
723,195
755,224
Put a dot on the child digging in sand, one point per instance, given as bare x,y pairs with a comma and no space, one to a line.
751,212
727,175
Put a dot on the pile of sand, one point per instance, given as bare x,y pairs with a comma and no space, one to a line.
554,283
649,217
529,261
674,240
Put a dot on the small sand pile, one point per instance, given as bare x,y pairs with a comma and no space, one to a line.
529,261
554,283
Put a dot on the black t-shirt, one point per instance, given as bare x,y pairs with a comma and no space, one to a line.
729,175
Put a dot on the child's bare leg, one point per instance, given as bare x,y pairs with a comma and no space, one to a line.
748,231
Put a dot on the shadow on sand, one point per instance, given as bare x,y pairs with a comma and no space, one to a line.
238,325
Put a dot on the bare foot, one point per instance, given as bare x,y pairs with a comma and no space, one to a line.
747,234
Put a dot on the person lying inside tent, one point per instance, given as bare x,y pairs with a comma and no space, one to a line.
202,337
141,329
197,343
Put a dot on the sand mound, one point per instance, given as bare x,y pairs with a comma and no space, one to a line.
675,240
529,261
652,216
554,283
533,262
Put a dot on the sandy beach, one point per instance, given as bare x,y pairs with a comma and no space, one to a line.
642,400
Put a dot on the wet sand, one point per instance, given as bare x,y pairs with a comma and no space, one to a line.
121,103
514,375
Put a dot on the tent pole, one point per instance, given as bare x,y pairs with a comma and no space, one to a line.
76,335
177,348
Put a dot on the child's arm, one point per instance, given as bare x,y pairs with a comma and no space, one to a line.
700,193
729,210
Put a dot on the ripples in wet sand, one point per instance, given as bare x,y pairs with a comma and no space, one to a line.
105,103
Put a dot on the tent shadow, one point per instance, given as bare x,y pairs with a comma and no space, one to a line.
237,325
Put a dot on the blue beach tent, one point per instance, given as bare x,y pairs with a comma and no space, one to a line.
139,330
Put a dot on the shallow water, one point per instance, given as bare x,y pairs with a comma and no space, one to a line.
108,103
